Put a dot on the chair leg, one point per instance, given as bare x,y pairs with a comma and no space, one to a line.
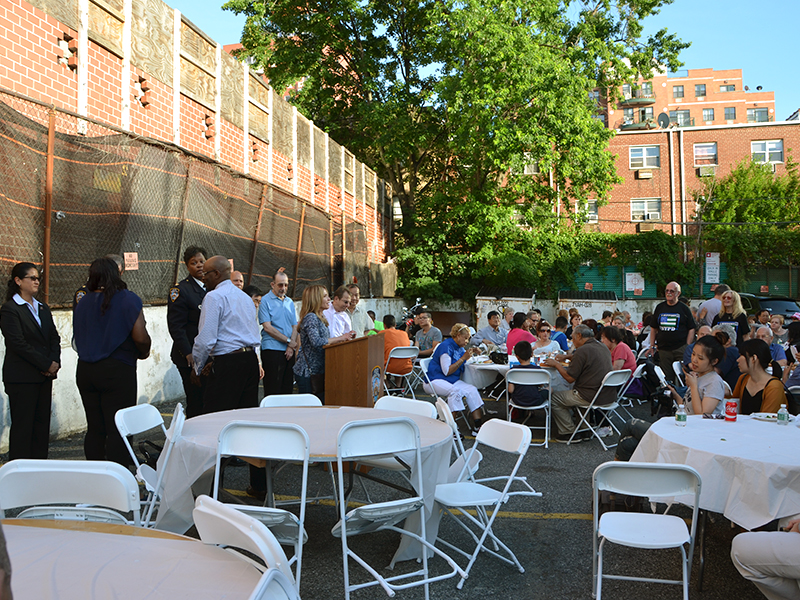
600,570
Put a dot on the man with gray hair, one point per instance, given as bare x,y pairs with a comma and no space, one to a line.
590,363
671,329
777,351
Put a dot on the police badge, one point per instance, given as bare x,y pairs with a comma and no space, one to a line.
174,293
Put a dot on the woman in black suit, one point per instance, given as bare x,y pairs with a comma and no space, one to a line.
33,358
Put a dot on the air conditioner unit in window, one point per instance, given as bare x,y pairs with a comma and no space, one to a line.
644,174
637,217
646,227
708,171
592,217
654,216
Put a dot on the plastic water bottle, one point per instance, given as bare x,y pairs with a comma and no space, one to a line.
783,415
680,416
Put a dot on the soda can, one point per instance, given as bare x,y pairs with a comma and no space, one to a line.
731,408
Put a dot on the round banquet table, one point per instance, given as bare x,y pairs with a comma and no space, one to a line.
195,453
77,560
750,469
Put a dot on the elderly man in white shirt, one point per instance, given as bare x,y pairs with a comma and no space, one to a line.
338,318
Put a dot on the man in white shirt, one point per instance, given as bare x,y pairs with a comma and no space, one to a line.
359,319
492,333
338,318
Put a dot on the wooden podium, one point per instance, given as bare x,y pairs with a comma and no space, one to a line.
354,371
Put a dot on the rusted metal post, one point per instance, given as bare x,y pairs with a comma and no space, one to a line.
184,212
48,201
264,191
299,247
330,248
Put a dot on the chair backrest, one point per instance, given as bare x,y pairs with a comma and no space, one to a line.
279,441
403,352
173,434
662,379
276,400
274,585
137,419
528,376
176,425
407,405
377,437
677,368
637,374
505,436
727,388
32,482
223,525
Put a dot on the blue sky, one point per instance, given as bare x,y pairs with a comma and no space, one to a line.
759,38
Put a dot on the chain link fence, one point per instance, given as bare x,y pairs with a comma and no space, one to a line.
113,192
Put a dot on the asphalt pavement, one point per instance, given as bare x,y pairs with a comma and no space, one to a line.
551,535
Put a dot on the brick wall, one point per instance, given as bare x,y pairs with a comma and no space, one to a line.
32,63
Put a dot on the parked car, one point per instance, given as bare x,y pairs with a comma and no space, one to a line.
776,305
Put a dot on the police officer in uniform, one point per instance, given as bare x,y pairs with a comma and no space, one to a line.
183,316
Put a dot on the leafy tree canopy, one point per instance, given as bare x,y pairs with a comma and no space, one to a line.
449,99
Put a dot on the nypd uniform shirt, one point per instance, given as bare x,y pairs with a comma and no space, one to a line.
183,317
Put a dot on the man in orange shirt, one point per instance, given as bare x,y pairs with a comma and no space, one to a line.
392,339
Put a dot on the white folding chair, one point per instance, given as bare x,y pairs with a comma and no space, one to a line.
103,485
274,585
278,400
727,388
401,352
623,394
138,419
540,377
511,438
611,380
642,530
677,368
454,472
384,437
427,387
222,525
270,441
420,408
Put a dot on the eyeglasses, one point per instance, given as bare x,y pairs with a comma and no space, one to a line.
671,291
32,277
209,272
544,331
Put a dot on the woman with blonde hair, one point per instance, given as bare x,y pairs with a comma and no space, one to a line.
309,368
445,370
732,312
780,334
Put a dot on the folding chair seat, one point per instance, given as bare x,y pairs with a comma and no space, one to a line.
40,484
384,437
401,352
270,441
278,400
138,419
513,439
222,525
611,380
540,377
642,530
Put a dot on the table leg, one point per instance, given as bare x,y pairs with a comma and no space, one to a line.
270,491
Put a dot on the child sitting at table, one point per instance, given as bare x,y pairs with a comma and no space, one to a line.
524,395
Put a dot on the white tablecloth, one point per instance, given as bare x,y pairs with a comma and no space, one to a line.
481,375
120,562
750,469
194,453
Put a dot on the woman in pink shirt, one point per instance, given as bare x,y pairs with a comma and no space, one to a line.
621,355
518,333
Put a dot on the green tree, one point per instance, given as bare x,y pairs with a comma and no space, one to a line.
449,100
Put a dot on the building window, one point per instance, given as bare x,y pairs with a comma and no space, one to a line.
708,114
730,113
531,165
644,157
647,89
700,90
705,154
591,211
757,115
645,113
727,88
626,90
627,116
595,95
646,209
677,91
770,151
681,117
